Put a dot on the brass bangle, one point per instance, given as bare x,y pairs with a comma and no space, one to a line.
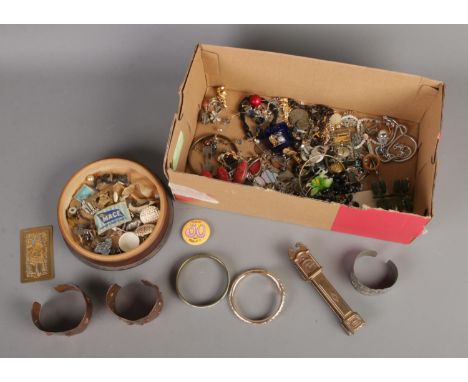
234,306
197,257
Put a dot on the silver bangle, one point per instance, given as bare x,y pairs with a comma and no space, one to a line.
235,307
383,285
216,299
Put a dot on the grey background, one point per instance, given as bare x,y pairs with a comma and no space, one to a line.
73,94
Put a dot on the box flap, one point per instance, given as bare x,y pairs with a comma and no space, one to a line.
340,85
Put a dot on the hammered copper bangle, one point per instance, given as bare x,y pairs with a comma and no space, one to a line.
111,297
235,308
215,300
80,327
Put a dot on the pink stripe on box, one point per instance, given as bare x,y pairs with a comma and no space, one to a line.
380,224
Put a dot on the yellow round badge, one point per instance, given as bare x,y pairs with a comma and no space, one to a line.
196,232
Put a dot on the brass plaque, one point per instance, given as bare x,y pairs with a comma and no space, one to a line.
37,254
311,271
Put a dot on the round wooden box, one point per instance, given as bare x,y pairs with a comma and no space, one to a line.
148,247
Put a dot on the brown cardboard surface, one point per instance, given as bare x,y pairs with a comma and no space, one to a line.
416,101
257,201
429,135
345,86
191,93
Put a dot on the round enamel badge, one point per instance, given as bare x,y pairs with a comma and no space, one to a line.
196,232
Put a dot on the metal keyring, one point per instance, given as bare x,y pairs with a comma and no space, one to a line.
197,257
235,307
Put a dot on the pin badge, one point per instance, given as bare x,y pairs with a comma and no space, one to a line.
84,192
104,247
111,216
196,232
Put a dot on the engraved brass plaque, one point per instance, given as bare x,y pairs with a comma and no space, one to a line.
311,271
37,254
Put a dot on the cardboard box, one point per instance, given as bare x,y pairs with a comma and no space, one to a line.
415,101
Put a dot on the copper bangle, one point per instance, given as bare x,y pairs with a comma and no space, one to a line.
82,325
111,296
